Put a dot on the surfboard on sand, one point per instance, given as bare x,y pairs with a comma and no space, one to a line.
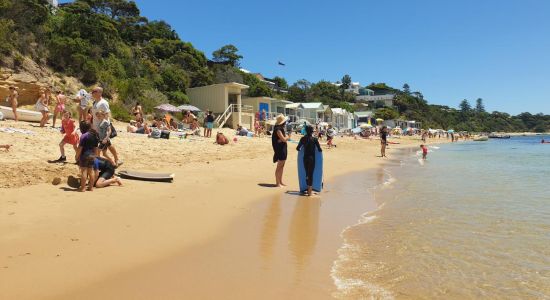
160,177
317,172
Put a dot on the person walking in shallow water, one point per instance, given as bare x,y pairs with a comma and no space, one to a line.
278,142
383,141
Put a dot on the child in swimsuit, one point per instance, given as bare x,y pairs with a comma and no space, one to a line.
71,137
59,106
424,151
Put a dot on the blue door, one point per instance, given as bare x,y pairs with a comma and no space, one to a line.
264,107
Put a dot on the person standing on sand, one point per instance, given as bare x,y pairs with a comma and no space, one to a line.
137,110
278,142
82,98
59,106
42,106
12,100
209,124
330,136
101,104
309,143
383,141
86,148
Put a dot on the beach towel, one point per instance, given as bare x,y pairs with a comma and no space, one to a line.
15,130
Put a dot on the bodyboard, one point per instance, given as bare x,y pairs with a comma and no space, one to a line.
160,177
317,172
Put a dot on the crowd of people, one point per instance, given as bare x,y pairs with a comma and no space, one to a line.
95,154
97,157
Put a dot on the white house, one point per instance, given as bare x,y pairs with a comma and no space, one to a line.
376,100
353,88
362,117
313,112
342,119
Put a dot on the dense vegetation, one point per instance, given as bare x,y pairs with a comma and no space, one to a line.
108,42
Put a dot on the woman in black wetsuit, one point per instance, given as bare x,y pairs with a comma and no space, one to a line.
309,143
278,141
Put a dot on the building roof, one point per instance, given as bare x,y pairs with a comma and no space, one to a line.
363,113
227,84
274,100
292,105
338,111
312,105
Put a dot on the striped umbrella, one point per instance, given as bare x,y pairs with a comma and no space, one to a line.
167,108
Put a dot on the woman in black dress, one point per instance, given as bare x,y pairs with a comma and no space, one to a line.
278,141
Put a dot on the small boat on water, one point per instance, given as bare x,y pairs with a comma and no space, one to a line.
482,138
499,136
23,114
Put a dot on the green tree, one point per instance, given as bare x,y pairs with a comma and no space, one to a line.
346,82
480,108
386,113
465,106
406,89
280,82
227,54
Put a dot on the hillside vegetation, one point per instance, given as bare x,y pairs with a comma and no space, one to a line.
108,42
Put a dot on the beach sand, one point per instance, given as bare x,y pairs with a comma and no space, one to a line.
218,231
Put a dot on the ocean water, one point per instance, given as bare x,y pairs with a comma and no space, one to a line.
471,222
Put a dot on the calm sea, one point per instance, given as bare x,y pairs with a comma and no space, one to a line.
472,222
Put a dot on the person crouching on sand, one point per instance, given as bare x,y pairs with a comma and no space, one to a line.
86,147
104,172
309,143
424,151
71,137
278,142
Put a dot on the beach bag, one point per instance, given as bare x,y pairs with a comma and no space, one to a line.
156,133
113,131
165,134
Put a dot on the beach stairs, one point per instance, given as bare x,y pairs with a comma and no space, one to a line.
222,119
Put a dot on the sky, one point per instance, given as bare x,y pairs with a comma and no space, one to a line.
448,50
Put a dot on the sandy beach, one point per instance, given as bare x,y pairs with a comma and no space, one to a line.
187,239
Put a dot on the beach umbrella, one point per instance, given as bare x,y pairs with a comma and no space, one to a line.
167,108
188,107
450,131
323,124
357,130
379,120
270,122
365,126
301,121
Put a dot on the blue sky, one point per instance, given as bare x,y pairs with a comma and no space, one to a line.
448,50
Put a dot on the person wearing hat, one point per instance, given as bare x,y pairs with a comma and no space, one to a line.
12,99
278,141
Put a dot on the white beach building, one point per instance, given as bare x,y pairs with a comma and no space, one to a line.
342,119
